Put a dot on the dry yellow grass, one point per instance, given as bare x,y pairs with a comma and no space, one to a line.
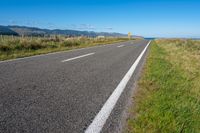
185,58
15,47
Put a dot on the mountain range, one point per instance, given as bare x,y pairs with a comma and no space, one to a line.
33,31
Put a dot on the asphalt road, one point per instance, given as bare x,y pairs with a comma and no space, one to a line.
63,92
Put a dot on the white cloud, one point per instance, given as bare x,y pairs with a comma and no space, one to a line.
108,28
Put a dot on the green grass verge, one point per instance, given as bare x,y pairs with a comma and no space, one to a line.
168,96
16,47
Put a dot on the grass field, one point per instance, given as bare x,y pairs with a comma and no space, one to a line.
15,47
167,99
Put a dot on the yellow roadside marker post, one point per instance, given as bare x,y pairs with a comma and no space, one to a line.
129,35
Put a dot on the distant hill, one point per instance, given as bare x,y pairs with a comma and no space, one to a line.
4,30
33,31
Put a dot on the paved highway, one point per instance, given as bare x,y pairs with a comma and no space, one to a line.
65,91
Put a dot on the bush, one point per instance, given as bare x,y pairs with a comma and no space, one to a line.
35,46
31,45
70,43
5,48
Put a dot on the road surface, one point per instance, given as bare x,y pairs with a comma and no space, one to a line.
64,91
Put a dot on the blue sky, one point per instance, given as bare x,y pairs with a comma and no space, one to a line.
149,18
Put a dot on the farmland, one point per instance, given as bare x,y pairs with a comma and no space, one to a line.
14,47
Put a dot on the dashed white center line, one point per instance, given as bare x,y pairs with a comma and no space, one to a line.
120,46
81,56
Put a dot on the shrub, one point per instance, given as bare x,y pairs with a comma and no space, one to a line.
32,45
70,43
35,46
5,48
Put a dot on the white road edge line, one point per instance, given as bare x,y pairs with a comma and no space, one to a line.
81,56
120,46
100,119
